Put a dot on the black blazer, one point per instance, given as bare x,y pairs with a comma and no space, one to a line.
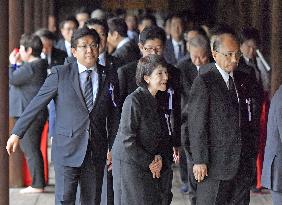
74,124
188,74
218,135
129,52
25,82
142,131
57,57
169,52
127,84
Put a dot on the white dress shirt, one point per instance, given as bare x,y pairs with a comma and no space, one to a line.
176,48
225,77
68,48
83,76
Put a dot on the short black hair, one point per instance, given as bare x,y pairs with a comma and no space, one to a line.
177,15
146,66
150,17
249,33
45,33
152,32
79,33
69,18
93,21
82,10
118,25
32,41
199,30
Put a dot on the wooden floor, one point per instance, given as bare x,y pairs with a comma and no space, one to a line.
47,198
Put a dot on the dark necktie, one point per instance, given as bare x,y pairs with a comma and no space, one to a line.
88,91
180,53
233,94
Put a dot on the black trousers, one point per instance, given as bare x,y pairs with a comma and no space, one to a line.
89,176
30,145
227,192
183,166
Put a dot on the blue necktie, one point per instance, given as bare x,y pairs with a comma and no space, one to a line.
88,91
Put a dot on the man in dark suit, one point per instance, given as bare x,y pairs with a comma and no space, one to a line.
86,121
175,48
111,63
272,164
25,81
67,27
152,41
125,49
190,68
221,136
53,55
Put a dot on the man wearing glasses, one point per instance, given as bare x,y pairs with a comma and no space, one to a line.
84,109
221,129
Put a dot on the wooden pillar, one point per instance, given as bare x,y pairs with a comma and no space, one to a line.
37,14
276,45
28,16
4,102
16,22
45,13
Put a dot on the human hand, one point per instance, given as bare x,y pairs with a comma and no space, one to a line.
176,154
156,166
109,160
15,57
12,143
200,171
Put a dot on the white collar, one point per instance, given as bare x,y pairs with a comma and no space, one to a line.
67,44
124,41
82,68
224,74
175,43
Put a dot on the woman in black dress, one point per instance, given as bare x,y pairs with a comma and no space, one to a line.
142,149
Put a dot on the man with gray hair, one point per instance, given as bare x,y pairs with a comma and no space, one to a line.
221,128
190,68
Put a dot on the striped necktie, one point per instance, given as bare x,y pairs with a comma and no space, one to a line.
88,91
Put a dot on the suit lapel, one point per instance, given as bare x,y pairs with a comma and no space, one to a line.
76,83
221,86
101,79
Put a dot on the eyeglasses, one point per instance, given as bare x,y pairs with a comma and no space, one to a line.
91,46
156,49
229,55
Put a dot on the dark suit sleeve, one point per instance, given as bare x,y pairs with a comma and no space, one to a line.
114,113
198,116
177,110
39,102
21,75
130,123
122,84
